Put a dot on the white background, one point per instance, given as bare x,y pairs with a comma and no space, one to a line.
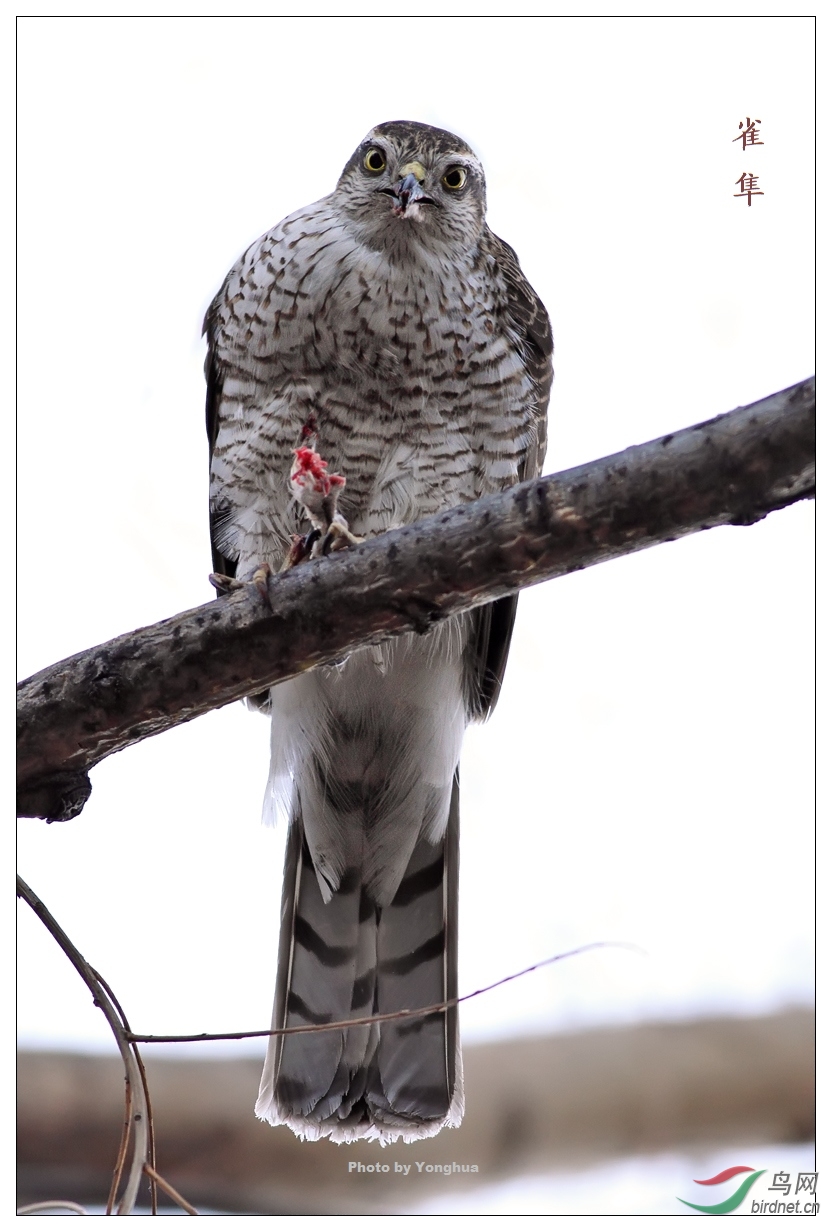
647,776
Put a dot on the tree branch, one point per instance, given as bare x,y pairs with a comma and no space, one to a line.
732,470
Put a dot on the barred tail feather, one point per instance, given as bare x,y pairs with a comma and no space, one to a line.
417,1061
349,958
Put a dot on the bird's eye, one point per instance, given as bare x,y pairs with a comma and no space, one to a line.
455,178
375,161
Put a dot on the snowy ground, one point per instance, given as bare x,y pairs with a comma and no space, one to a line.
638,1185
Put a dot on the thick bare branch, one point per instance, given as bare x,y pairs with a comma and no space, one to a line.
730,470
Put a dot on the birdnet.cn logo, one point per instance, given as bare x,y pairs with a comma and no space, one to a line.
806,1183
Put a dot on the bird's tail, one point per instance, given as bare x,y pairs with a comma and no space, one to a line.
351,958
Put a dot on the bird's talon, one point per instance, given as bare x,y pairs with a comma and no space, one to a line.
223,584
260,578
350,538
311,539
338,536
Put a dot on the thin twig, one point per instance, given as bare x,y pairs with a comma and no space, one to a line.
56,1204
122,1148
396,1014
103,998
156,1179
151,1136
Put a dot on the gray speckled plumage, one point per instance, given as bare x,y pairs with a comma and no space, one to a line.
409,331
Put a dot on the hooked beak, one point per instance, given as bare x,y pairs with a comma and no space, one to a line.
408,190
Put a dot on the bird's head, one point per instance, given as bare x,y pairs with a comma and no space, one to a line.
410,183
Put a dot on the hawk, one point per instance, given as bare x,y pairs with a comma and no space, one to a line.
389,316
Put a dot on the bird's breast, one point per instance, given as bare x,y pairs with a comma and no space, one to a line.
422,398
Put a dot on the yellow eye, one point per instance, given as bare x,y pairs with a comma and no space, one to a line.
375,161
455,178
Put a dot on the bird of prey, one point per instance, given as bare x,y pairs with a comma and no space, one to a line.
391,318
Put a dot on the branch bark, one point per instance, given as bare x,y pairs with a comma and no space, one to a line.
732,470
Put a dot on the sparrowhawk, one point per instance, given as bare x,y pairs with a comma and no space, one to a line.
388,315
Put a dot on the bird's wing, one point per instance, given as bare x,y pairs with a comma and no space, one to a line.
526,319
213,399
